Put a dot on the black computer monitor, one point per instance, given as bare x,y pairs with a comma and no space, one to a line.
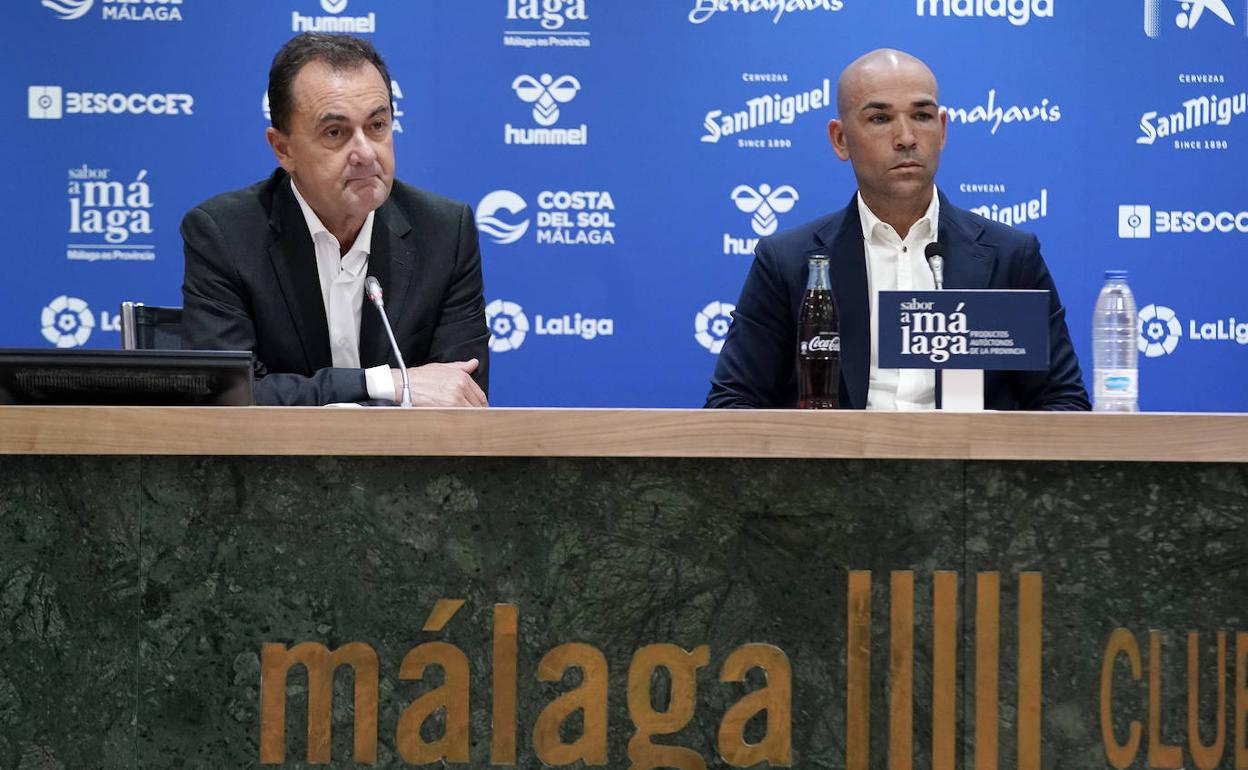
126,377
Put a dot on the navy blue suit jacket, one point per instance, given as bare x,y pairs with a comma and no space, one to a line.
757,367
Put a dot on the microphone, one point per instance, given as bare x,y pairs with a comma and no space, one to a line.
935,254
372,288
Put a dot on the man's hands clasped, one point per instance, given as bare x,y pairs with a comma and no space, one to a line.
449,384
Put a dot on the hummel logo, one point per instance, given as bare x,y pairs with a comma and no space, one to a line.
764,203
334,6
546,94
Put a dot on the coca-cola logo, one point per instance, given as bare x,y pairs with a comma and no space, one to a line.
822,344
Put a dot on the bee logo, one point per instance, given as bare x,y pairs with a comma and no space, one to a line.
546,93
764,203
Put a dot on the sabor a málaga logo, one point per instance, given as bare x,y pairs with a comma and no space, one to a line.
67,322
711,324
544,24
1160,331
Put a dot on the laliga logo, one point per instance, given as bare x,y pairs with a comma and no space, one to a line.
764,203
546,94
1190,12
1159,331
507,323
68,10
711,324
489,223
67,322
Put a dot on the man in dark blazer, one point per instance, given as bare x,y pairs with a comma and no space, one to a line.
278,268
892,130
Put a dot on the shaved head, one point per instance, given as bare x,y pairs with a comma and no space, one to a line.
891,128
865,71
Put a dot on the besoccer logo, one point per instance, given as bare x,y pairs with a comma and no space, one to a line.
44,102
499,230
508,325
546,94
711,325
1190,12
68,10
764,203
67,322
1159,331
1135,221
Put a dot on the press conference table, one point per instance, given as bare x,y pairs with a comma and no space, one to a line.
947,588
1174,437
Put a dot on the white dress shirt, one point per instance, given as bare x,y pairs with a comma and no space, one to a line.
896,264
342,290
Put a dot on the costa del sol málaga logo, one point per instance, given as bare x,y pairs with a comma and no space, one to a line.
1160,331
710,326
489,222
68,10
67,322
508,325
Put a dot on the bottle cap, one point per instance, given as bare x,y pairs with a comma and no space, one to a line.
1120,275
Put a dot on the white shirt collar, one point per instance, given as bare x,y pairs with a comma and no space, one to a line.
870,222
363,241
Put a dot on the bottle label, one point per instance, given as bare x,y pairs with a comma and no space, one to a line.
824,345
1117,383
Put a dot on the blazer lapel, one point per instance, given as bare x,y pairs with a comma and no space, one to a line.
968,261
294,261
847,268
390,261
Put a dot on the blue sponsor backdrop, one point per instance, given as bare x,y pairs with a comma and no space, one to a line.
629,153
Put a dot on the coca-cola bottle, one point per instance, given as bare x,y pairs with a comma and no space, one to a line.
818,343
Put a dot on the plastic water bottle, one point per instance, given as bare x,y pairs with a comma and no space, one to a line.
1115,351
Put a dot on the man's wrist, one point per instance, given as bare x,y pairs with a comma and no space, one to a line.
380,383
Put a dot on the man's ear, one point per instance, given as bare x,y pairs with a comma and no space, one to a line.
281,147
944,127
836,135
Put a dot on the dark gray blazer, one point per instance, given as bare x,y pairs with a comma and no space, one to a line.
251,283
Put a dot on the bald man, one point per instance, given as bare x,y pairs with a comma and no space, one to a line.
891,130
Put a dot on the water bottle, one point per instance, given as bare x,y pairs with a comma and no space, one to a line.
1115,351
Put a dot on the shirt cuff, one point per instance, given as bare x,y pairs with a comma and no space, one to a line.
380,383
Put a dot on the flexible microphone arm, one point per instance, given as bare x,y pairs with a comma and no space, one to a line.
372,288
935,254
